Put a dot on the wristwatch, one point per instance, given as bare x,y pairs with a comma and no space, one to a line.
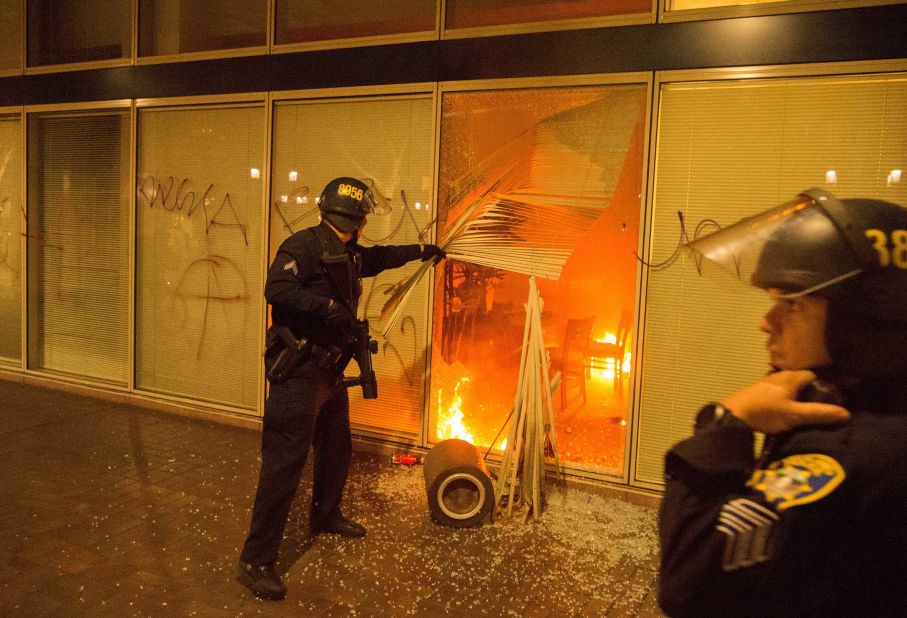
716,414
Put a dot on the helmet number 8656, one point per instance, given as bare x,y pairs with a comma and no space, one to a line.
894,252
353,192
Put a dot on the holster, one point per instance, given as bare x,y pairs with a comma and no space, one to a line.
287,351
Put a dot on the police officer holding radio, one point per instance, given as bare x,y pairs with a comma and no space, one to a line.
313,288
817,524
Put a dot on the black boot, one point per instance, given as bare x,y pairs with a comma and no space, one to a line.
262,580
338,524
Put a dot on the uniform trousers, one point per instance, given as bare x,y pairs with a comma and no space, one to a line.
311,408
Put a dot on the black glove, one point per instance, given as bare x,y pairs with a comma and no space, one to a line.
339,318
433,251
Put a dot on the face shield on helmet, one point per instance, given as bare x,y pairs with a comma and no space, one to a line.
853,252
346,201
799,247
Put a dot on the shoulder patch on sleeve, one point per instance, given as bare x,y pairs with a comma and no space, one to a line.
798,479
291,265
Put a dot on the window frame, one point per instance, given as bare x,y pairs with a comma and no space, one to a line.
662,78
373,93
341,43
10,113
214,54
127,59
622,477
201,101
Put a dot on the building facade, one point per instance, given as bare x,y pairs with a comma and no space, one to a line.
154,154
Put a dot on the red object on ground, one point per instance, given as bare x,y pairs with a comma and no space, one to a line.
406,459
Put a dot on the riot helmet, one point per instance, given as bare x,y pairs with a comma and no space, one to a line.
851,251
346,201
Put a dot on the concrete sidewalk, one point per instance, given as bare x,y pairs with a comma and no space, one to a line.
113,510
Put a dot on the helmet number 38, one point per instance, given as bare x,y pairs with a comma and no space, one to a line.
890,252
353,192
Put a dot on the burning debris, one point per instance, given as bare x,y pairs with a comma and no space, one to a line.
450,417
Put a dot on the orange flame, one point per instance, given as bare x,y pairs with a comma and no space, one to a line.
450,419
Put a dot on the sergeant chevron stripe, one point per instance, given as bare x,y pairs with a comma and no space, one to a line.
747,526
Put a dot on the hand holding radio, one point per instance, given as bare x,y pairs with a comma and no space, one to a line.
779,402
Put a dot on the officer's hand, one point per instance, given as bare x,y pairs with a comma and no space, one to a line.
771,405
433,251
339,318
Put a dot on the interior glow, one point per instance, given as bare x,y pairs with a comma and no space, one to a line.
831,177
605,366
255,173
293,176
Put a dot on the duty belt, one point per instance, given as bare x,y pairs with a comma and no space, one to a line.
324,358
292,353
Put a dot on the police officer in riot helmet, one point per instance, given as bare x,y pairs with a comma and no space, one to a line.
816,525
313,287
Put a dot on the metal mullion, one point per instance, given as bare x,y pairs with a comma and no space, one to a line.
430,305
23,247
265,245
133,235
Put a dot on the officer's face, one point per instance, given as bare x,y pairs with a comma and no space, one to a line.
796,332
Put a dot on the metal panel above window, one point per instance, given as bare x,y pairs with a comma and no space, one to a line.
169,27
306,22
78,31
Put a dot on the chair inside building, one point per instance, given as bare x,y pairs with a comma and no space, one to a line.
605,354
571,359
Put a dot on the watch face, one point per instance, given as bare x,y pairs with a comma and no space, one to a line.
708,414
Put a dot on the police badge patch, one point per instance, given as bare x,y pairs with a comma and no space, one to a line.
798,479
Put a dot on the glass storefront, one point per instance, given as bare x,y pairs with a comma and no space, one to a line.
568,163
78,244
389,140
198,252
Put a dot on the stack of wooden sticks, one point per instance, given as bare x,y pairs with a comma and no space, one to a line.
521,476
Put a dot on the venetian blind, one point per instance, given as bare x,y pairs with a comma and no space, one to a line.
390,141
78,244
729,150
198,252
10,239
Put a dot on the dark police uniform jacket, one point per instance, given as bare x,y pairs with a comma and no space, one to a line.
816,527
299,290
